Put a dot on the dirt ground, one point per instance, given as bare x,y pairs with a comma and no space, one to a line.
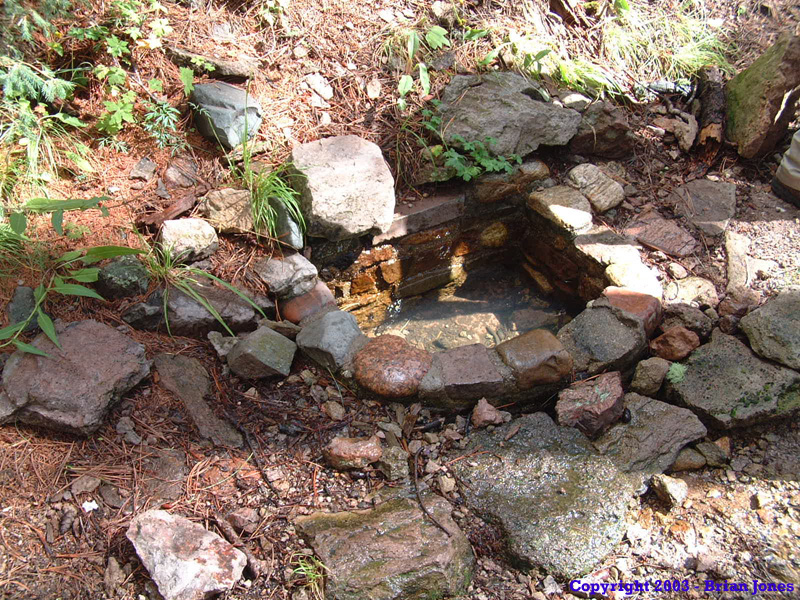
741,523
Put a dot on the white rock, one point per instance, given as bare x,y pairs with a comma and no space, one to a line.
603,192
189,240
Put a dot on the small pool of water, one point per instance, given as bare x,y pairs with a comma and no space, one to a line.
490,306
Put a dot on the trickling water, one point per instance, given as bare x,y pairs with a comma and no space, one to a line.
492,305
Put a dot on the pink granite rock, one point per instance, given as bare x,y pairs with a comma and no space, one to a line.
391,367
592,405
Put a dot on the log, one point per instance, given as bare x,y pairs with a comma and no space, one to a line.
712,112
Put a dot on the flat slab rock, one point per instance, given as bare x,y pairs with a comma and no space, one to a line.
728,386
506,107
653,438
72,390
392,551
185,561
658,233
560,505
709,205
774,329
346,188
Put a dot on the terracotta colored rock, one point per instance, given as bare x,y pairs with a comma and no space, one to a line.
310,303
353,453
591,406
644,306
689,459
536,357
389,366
675,344
469,373
485,414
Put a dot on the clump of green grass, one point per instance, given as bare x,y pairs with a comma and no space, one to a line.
310,572
266,189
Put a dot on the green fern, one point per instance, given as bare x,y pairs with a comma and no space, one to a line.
21,80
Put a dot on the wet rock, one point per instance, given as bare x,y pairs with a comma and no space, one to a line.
333,340
675,343
560,506
317,301
709,205
74,388
21,306
346,188
467,373
352,453
602,192
225,114
759,110
729,386
394,463
289,276
651,441
417,561
688,459
189,317
774,329
228,210
649,376
185,561
485,414
391,367
564,206
536,357
123,277
189,240
603,131
694,291
690,317
145,170
603,338
591,406
262,353
644,306
506,107
186,378
670,490
653,230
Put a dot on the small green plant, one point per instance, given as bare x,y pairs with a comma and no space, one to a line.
118,112
161,122
676,373
310,572
435,39
477,158
267,188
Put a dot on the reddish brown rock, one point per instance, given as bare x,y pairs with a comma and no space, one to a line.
644,306
739,302
591,406
392,271
654,231
364,282
675,344
353,453
310,303
485,414
468,373
536,357
391,367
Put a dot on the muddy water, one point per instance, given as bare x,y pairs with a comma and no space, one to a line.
491,305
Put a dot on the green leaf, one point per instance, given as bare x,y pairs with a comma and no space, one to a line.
412,45
43,205
30,349
156,85
73,289
190,291
98,253
57,219
475,34
489,58
7,332
88,275
46,325
437,37
116,47
18,222
39,293
424,79
187,78
540,55
70,256
69,120
404,85
80,162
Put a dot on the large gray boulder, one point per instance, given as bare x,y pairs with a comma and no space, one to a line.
762,98
604,338
774,329
72,389
560,505
186,561
332,340
346,188
223,113
728,386
187,316
653,438
392,551
507,108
